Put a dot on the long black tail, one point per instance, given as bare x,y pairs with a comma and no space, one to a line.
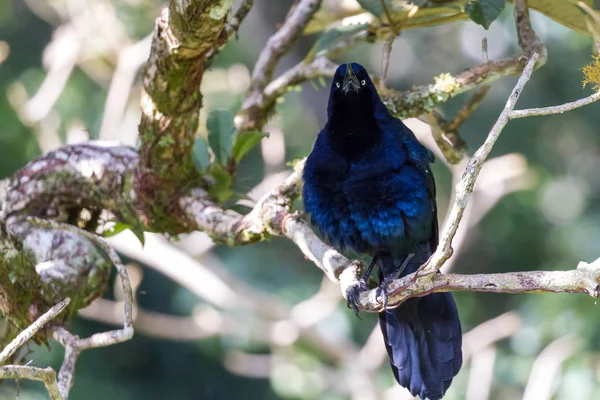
423,337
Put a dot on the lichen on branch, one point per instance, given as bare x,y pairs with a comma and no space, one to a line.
187,33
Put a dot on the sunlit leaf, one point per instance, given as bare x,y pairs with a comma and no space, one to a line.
244,142
565,12
220,128
407,14
119,227
221,189
324,18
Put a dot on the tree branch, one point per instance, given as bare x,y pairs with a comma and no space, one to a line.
584,279
28,333
46,375
532,112
187,33
465,187
240,16
255,108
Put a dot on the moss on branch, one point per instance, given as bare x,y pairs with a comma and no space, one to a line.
186,34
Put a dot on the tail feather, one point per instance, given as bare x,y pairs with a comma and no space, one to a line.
423,339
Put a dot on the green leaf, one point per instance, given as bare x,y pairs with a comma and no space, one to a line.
223,181
565,12
427,14
119,227
140,236
220,133
484,12
326,16
244,142
373,6
200,154
333,36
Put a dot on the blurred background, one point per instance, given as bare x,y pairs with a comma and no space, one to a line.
261,322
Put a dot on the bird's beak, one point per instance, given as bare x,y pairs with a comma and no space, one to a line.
350,82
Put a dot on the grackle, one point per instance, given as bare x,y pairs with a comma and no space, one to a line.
368,187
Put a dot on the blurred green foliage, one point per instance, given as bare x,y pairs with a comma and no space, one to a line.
552,226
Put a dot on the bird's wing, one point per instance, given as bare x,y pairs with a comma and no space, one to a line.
421,158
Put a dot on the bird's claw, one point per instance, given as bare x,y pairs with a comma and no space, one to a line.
353,295
382,290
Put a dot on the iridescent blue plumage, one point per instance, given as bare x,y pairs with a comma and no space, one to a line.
368,187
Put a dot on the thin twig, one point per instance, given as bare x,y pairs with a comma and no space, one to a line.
532,112
46,375
320,65
385,60
28,333
387,45
449,142
255,108
484,49
74,345
445,133
299,73
279,43
240,15
467,109
465,186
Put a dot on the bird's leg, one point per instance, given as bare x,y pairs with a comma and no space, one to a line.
382,288
354,291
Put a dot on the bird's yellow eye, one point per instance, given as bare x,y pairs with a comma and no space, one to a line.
363,82
337,84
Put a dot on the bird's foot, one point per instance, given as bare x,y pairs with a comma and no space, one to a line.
382,288
381,291
353,294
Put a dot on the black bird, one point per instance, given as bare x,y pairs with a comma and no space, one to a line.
368,186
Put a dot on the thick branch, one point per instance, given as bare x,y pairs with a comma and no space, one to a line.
186,34
95,174
584,279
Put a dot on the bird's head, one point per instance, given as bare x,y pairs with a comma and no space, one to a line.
352,92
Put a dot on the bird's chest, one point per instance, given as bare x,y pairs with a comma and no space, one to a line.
358,204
